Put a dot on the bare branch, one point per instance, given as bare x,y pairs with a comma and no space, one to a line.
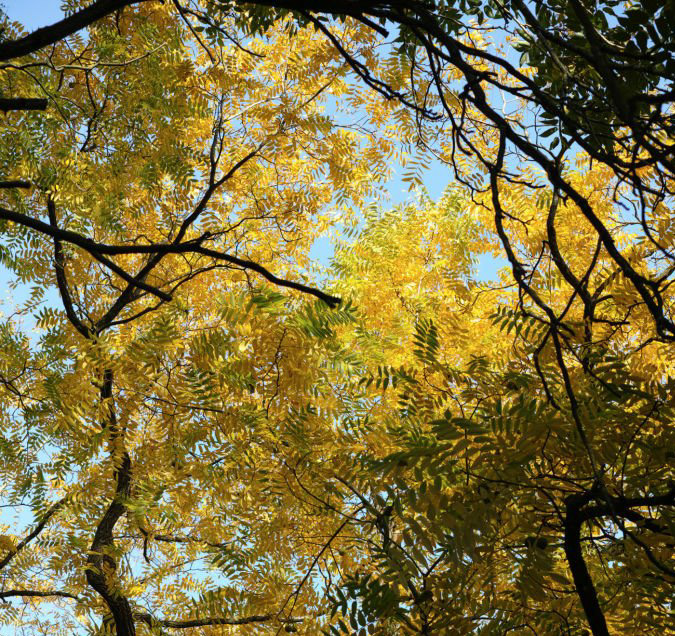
22,103
210,620
37,594
56,32
17,183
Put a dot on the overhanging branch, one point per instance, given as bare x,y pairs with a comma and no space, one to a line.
56,32
98,250
37,594
207,621
36,531
22,103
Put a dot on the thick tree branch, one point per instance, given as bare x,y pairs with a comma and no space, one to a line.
61,281
22,103
15,183
101,566
575,559
210,620
37,594
578,511
56,32
97,250
622,505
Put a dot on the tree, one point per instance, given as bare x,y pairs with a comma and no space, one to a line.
601,82
167,386
501,439
531,438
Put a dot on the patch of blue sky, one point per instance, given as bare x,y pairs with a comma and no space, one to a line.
435,178
33,14
20,303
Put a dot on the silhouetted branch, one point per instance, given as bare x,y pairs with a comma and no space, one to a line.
97,250
37,594
22,103
210,620
17,183
56,32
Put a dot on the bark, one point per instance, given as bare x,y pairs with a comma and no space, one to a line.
56,32
580,574
101,566
22,103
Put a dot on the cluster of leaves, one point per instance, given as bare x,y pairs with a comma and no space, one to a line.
185,447
530,482
148,423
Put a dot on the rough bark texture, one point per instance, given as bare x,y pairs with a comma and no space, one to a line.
100,565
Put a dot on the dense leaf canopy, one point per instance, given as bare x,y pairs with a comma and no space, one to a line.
208,433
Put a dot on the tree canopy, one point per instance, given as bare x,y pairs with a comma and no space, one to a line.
207,433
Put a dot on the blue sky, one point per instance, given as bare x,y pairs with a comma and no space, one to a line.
33,13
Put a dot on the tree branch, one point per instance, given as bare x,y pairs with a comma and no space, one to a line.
575,559
37,593
577,512
56,32
100,570
61,281
36,531
15,183
22,103
149,620
97,250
